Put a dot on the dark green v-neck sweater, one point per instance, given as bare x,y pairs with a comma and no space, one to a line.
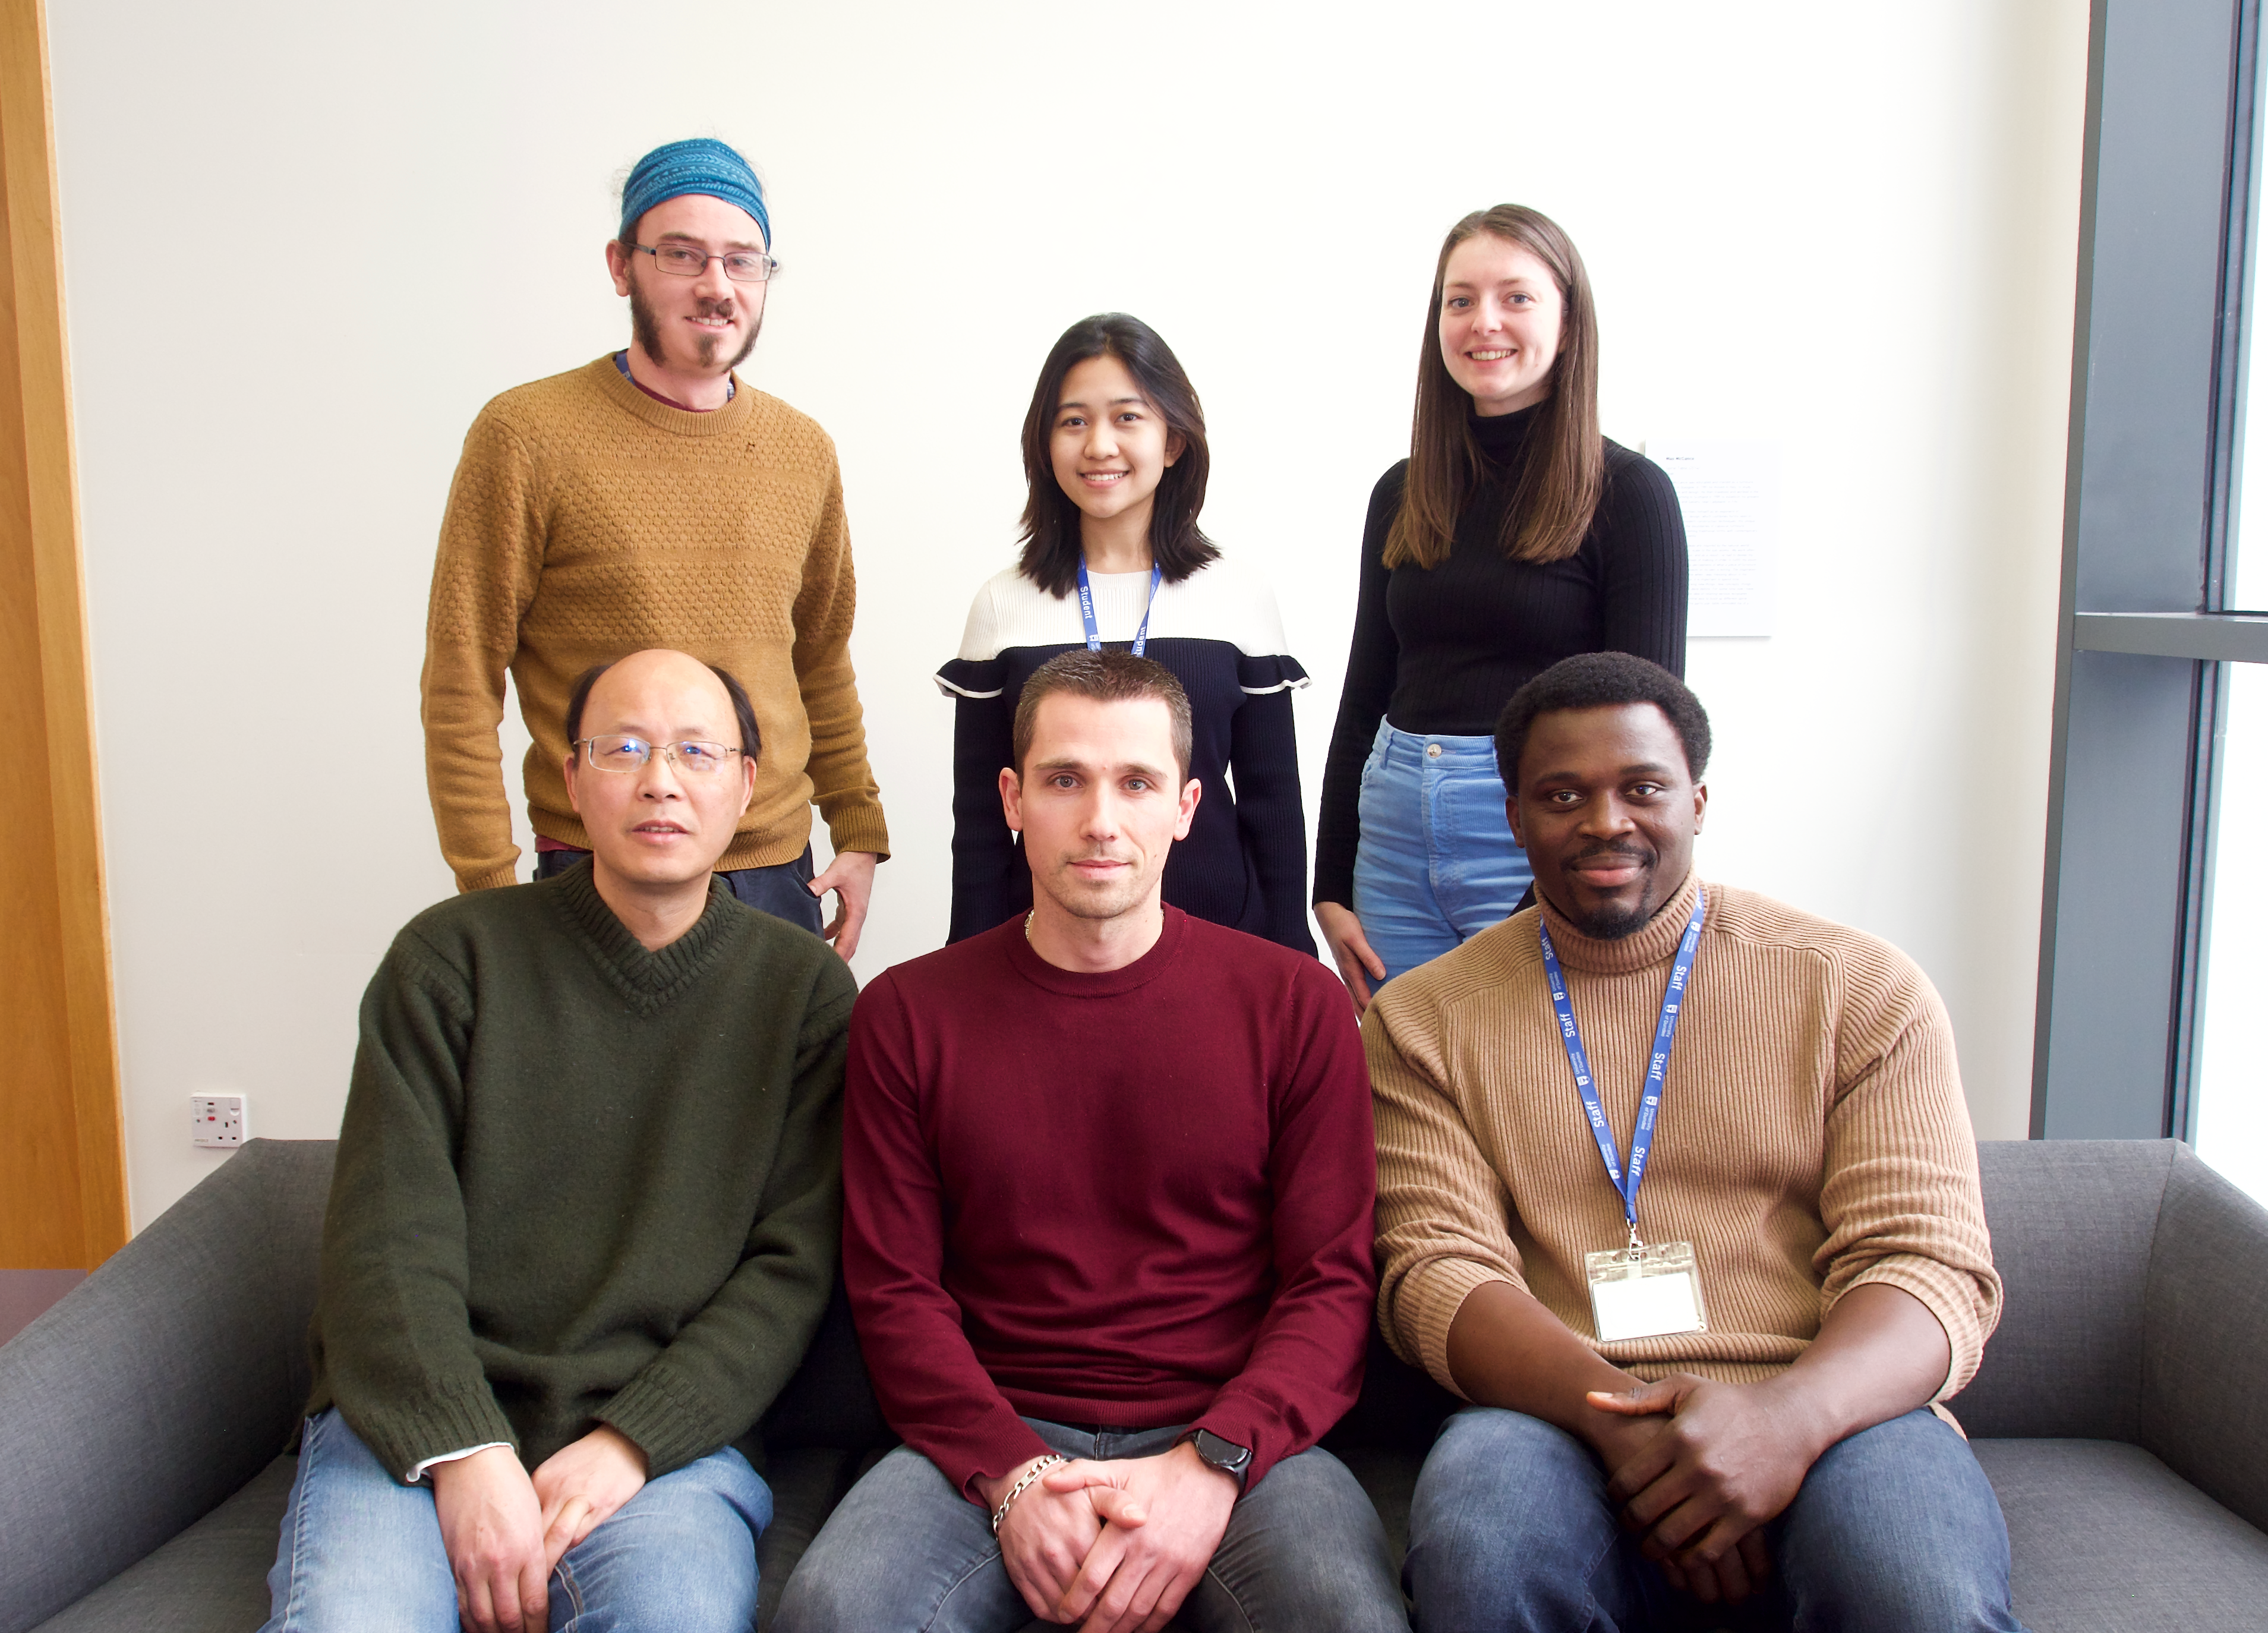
579,1182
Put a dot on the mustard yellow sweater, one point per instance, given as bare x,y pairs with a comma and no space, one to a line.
587,521
1812,1135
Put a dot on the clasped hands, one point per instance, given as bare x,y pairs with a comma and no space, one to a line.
1114,1545
505,1530
1699,1466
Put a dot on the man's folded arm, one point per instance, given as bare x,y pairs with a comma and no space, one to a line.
397,1343
1442,1207
842,778
727,1364
1900,1194
1305,1367
485,576
931,1388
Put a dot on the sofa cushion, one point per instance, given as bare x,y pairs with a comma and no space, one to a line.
214,1575
2106,1537
2073,1225
806,1482
211,1578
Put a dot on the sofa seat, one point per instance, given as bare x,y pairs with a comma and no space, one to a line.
2106,1537
210,1578
2121,1412
213,1577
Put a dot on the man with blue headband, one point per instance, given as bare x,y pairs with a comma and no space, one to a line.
653,498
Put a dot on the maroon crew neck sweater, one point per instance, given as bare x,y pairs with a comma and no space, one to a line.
1136,1198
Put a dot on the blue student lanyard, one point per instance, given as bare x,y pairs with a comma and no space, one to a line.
1665,1035
1086,609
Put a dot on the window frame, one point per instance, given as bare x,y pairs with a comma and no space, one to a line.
2167,231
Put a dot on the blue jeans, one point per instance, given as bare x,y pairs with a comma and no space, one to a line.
1436,864
1895,1530
782,890
361,1552
906,1552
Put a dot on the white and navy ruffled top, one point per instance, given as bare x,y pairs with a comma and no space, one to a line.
1245,862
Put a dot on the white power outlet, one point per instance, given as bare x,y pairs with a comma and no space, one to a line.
217,1120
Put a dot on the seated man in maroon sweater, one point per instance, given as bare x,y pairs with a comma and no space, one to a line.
1109,1173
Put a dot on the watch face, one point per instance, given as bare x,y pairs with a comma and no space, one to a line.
1222,1453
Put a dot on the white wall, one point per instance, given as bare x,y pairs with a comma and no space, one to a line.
303,244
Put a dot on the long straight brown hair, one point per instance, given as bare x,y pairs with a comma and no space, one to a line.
1564,471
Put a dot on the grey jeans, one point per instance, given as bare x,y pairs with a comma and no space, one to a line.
906,1553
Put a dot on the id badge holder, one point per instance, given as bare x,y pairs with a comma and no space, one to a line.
1645,1291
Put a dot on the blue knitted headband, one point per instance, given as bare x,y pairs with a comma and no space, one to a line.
703,165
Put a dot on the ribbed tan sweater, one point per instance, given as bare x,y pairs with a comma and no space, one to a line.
1812,1135
587,521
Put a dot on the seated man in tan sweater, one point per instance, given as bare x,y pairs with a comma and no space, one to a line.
1676,1186
653,498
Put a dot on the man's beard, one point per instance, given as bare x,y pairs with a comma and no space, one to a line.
1611,921
645,329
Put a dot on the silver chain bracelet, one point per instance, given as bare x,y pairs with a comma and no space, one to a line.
1018,1489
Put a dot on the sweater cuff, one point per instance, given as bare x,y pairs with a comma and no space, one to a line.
1000,1451
859,828
403,1436
503,875
1244,1423
1949,1295
1426,1306
668,1426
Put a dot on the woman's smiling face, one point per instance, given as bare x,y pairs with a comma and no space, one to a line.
1109,446
1501,311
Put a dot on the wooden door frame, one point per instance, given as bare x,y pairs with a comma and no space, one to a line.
67,1079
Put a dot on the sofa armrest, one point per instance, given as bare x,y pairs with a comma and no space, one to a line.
163,1382
2205,1347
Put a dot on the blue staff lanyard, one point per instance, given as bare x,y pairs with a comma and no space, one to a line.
1086,609
1665,1035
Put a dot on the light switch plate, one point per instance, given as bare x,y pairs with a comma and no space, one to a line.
217,1121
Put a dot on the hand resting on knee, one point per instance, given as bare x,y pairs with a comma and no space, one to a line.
1700,1466
504,1531
1164,1517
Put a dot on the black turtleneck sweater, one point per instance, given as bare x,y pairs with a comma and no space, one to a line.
1442,648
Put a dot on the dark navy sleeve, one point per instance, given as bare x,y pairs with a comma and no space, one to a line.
987,867
1372,657
1271,817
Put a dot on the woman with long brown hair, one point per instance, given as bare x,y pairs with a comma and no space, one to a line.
1115,462
1513,536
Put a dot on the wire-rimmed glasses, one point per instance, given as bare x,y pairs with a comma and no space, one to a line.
630,753
686,260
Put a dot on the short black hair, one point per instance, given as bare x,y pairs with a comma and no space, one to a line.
1600,681
744,712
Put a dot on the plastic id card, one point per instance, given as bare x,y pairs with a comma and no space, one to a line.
1644,1292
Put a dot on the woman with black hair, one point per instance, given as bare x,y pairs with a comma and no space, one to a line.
1115,460
1513,536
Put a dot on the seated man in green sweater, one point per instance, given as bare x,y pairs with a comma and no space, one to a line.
585,1217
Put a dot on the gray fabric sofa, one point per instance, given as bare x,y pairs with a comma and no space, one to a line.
2122,1412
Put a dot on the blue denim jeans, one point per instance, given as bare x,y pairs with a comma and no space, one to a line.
361,1552
1436,864
1895,1530
782,890
906,1553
